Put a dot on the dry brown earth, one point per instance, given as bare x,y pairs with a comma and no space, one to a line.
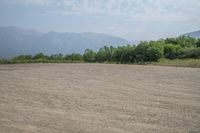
99,98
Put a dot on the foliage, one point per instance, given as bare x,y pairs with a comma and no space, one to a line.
56,57
145,52
149,51
171,40
23,57
124,54
171,51
89,55
179,62
183,41
198,42
186,41
40,56
74,57
4,61
155,50
189,53
104,54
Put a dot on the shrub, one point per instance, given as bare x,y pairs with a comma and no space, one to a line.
183,41
89,55
189,53
140,51
186,41
171,51
23,57
198,43
40,56
56,57
1,61
74,57
123,54
104,54
151,51
154,51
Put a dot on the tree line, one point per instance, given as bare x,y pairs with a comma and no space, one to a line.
146,51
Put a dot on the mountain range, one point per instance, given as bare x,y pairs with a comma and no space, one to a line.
15,41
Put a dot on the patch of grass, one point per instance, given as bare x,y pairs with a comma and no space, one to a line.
179,62
4,61
162,62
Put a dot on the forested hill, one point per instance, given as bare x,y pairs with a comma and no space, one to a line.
15,41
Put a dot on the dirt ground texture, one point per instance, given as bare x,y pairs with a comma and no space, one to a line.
99,98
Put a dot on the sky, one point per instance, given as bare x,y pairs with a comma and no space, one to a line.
129,19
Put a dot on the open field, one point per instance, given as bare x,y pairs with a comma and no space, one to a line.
98,98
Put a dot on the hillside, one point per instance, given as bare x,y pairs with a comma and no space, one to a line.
195,34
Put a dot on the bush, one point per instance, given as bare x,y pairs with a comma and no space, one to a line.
123,54
56,57
171,51
104,54
151,51
155,51
23,57
74,57
189,53
40,56
1,61
171,40
140,51
198,43
117,54
89,55
183,41
186,41
5,61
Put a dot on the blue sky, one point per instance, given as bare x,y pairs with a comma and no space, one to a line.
130,19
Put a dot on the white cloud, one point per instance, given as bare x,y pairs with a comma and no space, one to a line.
155,10
143,10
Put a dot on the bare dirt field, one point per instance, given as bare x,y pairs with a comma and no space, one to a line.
99,98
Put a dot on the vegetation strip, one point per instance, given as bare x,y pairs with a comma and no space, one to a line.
169,51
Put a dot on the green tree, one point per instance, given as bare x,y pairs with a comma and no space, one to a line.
183,41
171,51
198,42
74,57
104,54
186,41
171,40
56,57
89,55
149,51
189,53
155,50
40,56
140,51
